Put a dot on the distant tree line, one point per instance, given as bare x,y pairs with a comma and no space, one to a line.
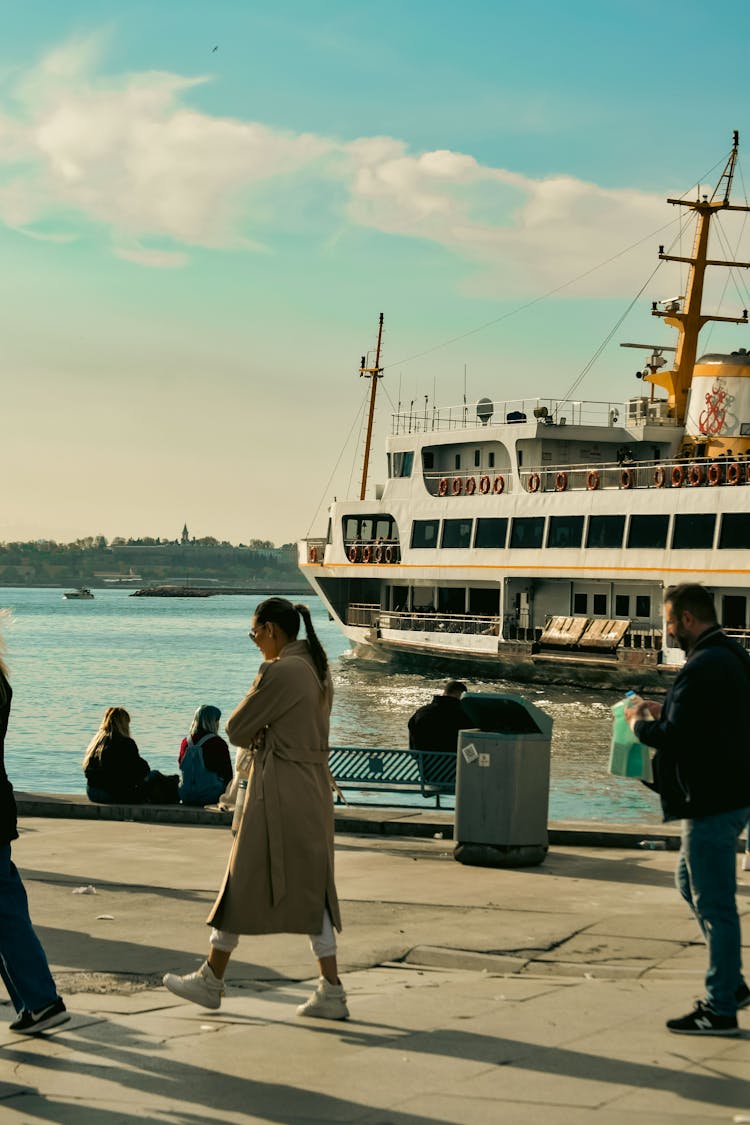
146,561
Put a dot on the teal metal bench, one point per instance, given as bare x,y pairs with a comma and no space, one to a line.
430,773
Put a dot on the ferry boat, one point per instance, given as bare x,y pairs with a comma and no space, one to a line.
537,538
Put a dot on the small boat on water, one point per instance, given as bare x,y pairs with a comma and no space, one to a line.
82,594
537,539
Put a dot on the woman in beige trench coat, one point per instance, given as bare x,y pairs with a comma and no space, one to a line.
279,878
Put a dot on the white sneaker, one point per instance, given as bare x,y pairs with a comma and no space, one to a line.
328,1002
746,861
201,987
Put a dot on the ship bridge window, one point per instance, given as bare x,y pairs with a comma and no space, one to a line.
565,531
694,531
428,459
527,532
735,531
491,533
424,533
477,458
369,529
605,531
403,464
456,533
648,532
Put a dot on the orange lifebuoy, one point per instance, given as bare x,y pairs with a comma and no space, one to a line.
456,486
660,476
695,475
677,476
313,554
471,486
714,474
353,553
534,482
484,485
592,481
626,478
733,473
391,554
367,553
498,485
379,553
561,482
443,487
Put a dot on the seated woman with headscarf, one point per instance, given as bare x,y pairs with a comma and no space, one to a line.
205,763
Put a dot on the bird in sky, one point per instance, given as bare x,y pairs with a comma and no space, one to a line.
215,48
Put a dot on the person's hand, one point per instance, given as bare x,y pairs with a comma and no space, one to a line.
639,709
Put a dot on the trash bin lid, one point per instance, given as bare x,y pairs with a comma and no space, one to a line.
503,714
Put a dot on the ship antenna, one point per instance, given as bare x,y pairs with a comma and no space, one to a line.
727,175
373,373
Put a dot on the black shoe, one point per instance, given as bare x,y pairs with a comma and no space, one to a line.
702,1021
742,996
31,1023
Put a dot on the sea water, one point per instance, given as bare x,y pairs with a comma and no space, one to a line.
160,658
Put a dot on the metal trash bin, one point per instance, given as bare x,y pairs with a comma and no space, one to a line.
502,782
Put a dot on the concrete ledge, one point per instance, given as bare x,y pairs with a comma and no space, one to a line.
358,820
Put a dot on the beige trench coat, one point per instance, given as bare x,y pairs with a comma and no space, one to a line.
280,872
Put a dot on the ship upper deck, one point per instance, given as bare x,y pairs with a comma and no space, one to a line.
549,413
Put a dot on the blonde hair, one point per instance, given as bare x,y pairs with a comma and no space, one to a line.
116,721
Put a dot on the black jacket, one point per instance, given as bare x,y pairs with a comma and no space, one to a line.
702,740
118,769
8,829
436,726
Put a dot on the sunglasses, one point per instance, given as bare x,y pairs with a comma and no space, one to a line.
253,634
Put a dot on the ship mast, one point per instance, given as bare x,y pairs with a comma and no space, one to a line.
690,320
373,373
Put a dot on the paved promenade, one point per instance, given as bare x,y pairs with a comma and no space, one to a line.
477,995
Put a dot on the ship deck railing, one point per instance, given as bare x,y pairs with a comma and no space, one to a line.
677,472
422,620
428,773
546,411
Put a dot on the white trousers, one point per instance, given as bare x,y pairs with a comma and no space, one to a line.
322,944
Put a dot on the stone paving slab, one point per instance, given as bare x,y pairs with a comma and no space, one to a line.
477,995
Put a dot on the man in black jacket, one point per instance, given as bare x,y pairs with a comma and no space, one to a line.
436,725
702,773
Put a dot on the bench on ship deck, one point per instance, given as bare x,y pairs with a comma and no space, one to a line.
431,773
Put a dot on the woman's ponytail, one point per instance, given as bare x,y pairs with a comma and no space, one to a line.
320,660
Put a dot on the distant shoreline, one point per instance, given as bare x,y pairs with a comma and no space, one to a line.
214,591
165,591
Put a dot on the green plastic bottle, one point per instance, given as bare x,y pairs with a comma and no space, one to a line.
628,757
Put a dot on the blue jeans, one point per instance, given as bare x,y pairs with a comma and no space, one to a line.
23,962
707,879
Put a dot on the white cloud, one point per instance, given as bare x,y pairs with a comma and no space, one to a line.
130,155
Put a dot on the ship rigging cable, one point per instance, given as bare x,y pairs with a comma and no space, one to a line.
353,427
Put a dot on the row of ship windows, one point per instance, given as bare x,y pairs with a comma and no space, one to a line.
689,532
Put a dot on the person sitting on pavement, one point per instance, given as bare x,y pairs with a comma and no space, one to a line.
701,771
205,763
116,773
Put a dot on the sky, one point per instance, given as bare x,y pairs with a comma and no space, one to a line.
206,204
